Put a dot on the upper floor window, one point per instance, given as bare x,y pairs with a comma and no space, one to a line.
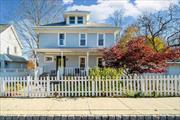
61,39
82,39
72,20
100,39
80,20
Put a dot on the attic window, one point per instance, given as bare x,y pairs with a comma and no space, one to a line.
80,20
72,20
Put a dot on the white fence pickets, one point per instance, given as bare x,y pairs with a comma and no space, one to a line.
90,86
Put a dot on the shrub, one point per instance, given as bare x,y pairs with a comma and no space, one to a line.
105,72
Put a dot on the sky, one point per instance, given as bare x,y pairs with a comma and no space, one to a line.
100,9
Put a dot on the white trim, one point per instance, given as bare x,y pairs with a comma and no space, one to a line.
48,61
16,36
80,40
64,38
85,60
104,37
97,61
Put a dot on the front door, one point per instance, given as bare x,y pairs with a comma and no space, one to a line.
82,63
59,61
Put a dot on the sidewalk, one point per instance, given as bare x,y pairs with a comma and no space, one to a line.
90,106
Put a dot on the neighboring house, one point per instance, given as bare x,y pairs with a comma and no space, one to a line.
174,67
73,46
10,49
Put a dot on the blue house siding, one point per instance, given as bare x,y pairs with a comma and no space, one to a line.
50,40
72,61
72,40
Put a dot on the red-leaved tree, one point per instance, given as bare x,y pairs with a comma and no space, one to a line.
137,57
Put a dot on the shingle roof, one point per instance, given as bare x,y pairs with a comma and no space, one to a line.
90,24
3,27
12,58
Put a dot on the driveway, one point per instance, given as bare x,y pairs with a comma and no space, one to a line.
90,106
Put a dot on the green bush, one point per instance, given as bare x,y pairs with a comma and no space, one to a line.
105,72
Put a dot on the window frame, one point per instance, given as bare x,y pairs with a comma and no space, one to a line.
78,19
48,61
59,39
70,20
103,40
8,50
80,40
80,61
97,61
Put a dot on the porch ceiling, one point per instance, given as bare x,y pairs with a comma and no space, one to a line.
70,50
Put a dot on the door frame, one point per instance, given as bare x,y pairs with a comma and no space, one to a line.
64,59
85,61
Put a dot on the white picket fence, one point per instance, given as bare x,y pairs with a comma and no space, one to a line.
90,86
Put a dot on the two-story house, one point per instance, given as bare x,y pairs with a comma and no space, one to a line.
73,46
10,49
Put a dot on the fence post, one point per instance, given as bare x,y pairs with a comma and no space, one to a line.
3,86
48,86
142,84
93,87
28,86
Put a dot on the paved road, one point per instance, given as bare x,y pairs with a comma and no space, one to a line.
90,106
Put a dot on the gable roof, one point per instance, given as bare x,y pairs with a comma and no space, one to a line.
4,27
12,58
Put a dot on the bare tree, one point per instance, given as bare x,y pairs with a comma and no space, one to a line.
33,13
116,19
163,24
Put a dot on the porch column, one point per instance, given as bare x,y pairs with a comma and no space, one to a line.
35,66
62,70
87,63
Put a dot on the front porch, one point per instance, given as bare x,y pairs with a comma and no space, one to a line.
68,62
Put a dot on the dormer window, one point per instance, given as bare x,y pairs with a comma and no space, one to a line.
72,20
80,20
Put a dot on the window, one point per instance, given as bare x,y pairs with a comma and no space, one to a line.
61,39
82,62
6,65
100,39
15,49
80,20
72,20
100,62
82,39
8,50
49,59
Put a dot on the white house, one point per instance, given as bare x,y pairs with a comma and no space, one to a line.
73,46
10,49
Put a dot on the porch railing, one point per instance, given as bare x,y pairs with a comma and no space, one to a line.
14,72
72,71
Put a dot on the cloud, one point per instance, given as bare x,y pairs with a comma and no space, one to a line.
104,8
68,1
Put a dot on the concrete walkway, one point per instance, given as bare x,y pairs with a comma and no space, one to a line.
90,106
